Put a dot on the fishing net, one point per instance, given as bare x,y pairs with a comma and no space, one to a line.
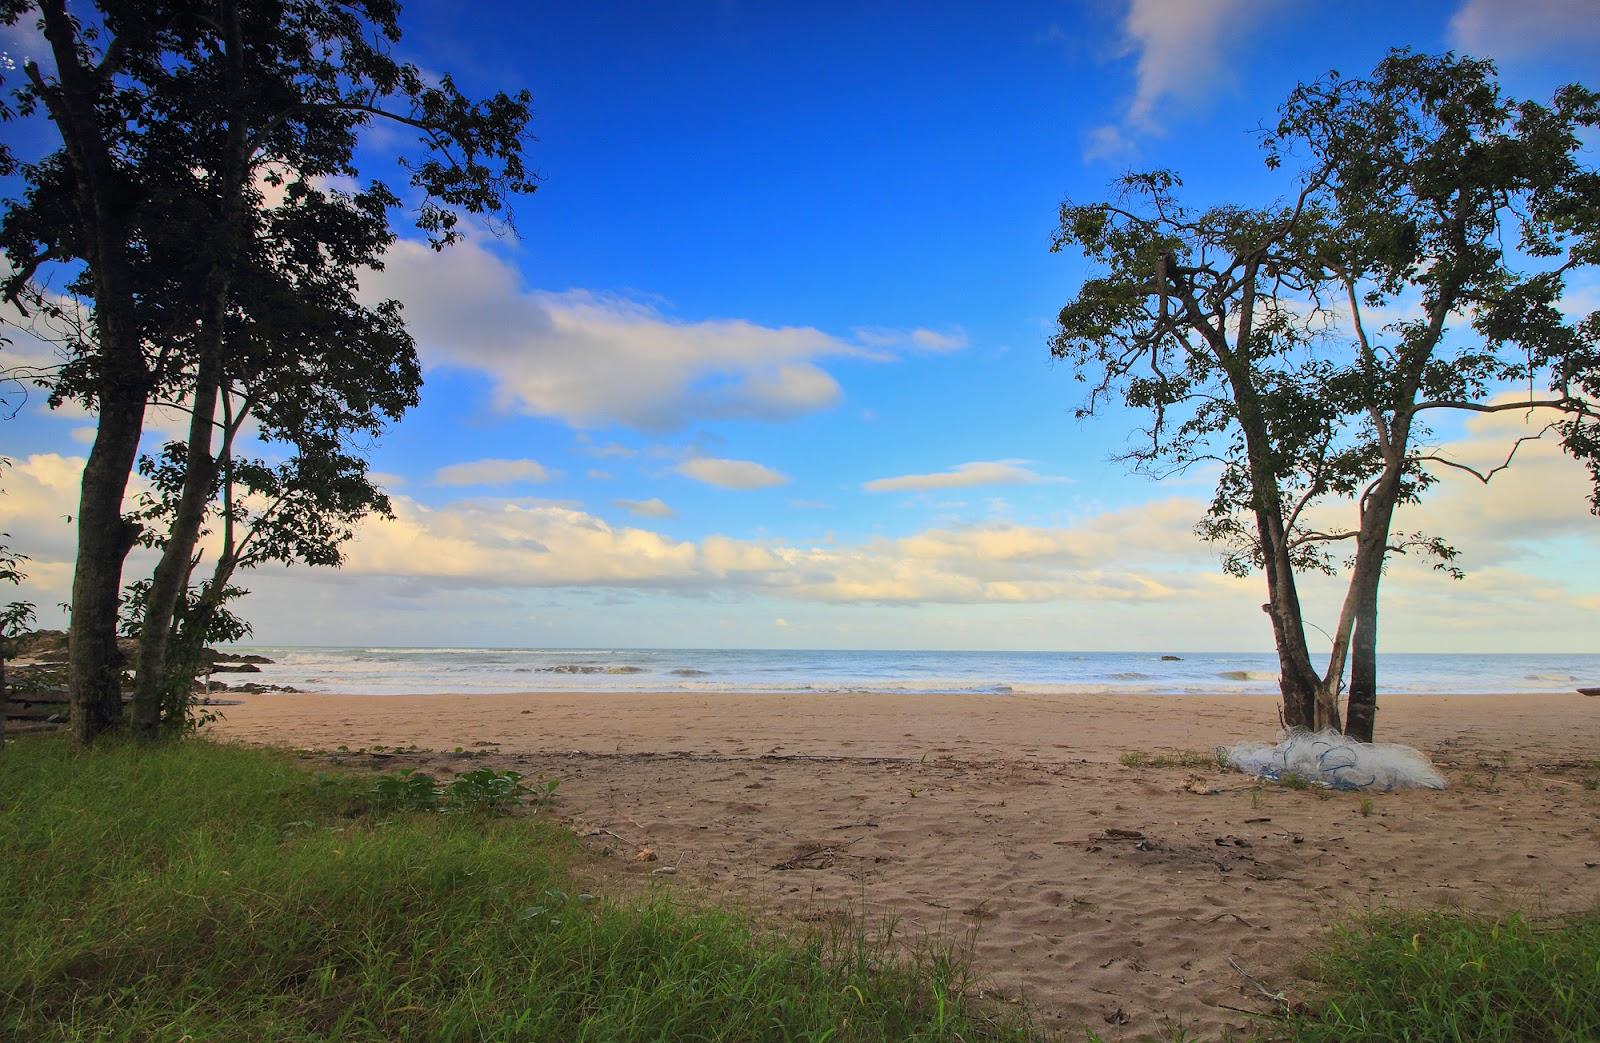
1328,758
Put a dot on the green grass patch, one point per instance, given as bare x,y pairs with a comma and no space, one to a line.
210,892
1439,976
1171,759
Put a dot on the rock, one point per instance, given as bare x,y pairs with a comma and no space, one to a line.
38,644
646,854
236,657
664,871
240,668
1172,659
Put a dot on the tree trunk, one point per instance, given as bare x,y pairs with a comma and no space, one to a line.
94,665
103,199
169,583
1372,548
1305,704
189,641
1362,712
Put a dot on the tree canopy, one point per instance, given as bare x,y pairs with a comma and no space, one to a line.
1421,265
207,205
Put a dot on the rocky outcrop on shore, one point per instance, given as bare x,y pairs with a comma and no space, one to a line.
40,656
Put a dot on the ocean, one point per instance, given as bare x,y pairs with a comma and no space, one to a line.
398,671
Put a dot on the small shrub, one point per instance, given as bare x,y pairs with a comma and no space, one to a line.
484,790
406,790
544,794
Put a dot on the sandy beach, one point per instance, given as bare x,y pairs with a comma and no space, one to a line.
1106,896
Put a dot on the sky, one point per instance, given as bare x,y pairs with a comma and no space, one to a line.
764,361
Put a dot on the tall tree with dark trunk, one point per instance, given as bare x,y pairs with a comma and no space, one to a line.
1245,332
182,122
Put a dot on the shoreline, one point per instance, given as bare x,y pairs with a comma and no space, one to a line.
975,693
1026,725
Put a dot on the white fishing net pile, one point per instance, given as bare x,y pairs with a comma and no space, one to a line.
1328,758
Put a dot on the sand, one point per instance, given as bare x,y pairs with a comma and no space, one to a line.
1107,897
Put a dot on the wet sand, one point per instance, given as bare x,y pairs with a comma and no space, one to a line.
1114,898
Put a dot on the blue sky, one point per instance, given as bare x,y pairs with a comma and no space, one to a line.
765,363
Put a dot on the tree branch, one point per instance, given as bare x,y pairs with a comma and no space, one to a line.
1484,476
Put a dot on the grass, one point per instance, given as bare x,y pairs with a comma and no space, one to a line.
1174,759
1439,976
208,892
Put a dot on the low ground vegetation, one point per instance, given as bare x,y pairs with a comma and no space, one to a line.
203,891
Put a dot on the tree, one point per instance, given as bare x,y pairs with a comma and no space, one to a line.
302,510
1246,333
177,120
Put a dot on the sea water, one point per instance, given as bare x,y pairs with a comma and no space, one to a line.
396,671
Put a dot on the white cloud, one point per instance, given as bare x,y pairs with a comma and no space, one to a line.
1541,496
610,449
936,341
1141,561
731,474
1183,49
1525,28
1107,141
593,359
980,472
654,507
492,472
24,41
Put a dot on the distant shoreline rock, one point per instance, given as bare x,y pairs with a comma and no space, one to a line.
50,648
234,657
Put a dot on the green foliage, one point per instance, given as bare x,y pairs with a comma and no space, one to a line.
1437,976
193,189
1421,263
405,790
201,618
484,790
216,892
1174,759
